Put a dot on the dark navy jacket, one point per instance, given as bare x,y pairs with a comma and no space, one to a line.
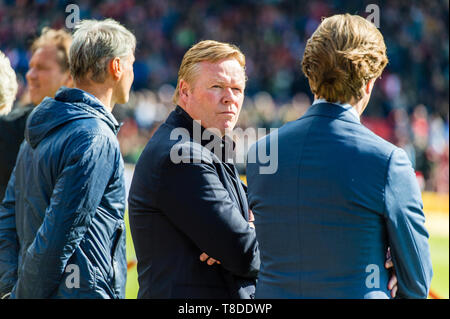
12,129
62,215
340,197
183,201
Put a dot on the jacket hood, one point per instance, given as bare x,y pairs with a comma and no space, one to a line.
68,105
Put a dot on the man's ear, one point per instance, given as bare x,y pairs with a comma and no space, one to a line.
184,90
369,86
68,82
115,68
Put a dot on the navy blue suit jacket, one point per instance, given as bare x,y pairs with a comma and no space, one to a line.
180,209
340,196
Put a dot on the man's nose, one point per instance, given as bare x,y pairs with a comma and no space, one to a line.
229,96
31,74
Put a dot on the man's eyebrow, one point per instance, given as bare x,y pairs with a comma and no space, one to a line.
221,81
35,63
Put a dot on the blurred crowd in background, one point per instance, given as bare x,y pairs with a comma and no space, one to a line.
409,105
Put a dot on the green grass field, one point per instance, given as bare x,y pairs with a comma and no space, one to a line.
439,255
132,277
439,246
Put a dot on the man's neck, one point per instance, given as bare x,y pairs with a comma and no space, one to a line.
101,92
359,106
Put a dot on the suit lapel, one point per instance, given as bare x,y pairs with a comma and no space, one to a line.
237,191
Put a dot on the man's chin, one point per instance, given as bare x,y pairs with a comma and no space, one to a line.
123,100
228,126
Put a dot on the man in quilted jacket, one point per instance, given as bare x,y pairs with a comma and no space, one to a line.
62,232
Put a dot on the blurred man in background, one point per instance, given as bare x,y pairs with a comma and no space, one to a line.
341,195
8,86
48,71
62,233
189,216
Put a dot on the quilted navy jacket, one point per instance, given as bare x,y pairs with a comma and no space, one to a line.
62,232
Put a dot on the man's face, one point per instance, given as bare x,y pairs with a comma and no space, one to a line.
216,96
45,76
126,80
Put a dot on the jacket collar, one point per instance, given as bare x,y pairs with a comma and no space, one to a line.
74,95
180,118
332,110
68,105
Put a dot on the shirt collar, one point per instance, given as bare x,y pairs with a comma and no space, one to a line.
227,145
346,106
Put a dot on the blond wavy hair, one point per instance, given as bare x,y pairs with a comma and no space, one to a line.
342,55
8,85
61,39
207,50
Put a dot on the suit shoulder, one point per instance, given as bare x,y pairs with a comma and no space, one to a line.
290,128
380,143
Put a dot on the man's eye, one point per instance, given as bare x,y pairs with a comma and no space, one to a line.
217,86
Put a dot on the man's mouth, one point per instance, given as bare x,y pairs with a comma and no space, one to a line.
228,113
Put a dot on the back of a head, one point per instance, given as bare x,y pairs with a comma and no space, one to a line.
8,85
207,50
94,44
342,55
60,39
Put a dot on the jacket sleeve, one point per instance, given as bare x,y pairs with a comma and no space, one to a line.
9,247
408,237
76,195
204,211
